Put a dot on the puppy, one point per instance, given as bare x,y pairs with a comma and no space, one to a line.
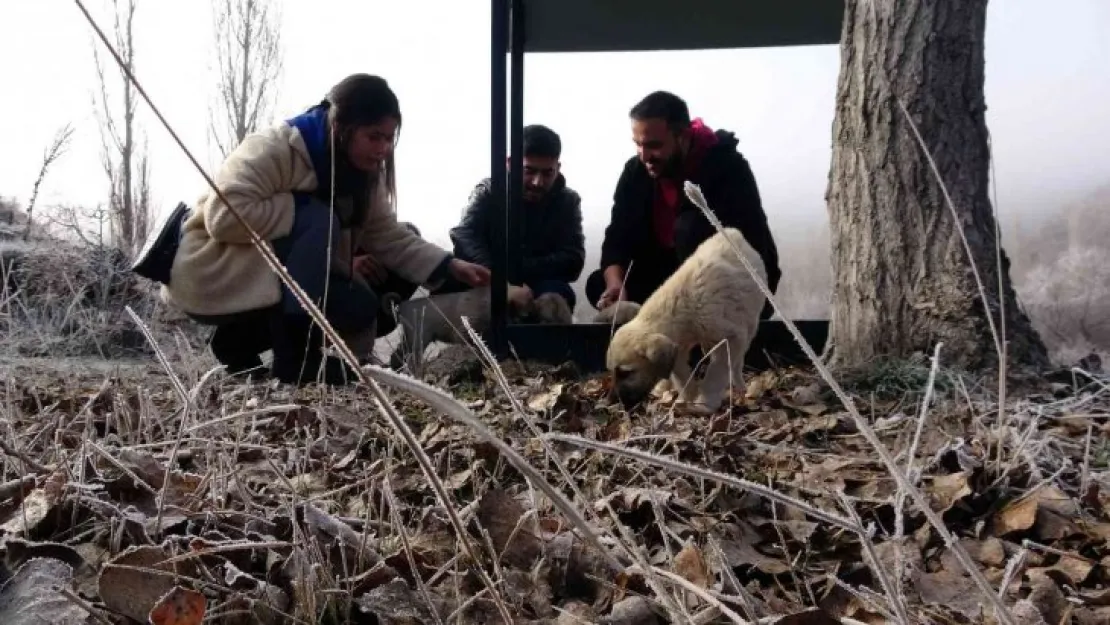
618,314
552,308
425,320
710,298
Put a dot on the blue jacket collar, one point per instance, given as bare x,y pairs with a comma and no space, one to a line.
313,126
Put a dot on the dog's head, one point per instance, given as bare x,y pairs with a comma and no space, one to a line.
521,303
617,314
553,308
637,359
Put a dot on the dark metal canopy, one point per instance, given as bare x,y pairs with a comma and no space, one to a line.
519,26
642,25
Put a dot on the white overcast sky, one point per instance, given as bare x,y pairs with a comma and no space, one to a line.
1048,85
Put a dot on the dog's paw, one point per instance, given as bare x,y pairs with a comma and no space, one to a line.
663,387
692,407
700,404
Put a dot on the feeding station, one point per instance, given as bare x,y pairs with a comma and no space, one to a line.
521,26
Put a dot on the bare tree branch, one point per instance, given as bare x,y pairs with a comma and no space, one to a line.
126,165
249,64
57,148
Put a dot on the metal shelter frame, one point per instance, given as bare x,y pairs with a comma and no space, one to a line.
520,26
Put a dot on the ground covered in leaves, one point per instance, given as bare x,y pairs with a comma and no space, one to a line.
264,504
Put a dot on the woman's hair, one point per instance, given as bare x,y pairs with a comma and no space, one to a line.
362,100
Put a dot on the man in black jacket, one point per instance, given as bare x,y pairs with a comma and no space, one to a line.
552,247
654,227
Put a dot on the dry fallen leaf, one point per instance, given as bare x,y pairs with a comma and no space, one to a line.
738,553
180,606
33,510
812,616
546,400
628,499
1075,568
690,564
952,589
32,597
395,602
135,581
265,602
1046,595
946,490
1092,616
576,613
1026,613
632,610
1018,516
499,513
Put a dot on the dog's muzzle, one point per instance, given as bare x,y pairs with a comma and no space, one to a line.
627,396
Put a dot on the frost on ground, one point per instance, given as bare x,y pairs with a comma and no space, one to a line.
264,504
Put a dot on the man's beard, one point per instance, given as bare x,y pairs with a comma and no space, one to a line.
668,167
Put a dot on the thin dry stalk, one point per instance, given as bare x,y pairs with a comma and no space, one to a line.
186,411
864,595
27,460
900,499
451,407
708,474
244,414
91,610
440,490
674,608
387,490
701,593
693,192
729,581
140,482
624,542
893,590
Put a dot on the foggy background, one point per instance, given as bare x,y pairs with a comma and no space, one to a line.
1046,88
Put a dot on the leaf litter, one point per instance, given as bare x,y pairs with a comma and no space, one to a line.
265,504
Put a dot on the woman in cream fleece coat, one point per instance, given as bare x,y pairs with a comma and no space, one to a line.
280,181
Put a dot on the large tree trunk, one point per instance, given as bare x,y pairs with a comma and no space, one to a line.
903,277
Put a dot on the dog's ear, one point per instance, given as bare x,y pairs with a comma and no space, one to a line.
661,351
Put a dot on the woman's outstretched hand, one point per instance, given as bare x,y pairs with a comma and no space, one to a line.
371,269
468,273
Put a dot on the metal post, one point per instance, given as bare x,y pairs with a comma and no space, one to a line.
513,242
499,34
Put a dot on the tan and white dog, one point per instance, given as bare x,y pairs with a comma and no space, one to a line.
710,299
425,320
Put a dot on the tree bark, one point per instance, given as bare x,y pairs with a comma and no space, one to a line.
903,277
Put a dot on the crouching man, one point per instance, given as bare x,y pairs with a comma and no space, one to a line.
654,227
552,247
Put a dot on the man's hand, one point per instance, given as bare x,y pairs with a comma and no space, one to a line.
611,296
370,268
614,287
468,273
521,298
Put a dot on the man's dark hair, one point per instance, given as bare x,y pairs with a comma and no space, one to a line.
542,142
662,105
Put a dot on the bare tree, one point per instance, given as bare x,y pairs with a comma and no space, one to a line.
126,165
57,148
904,279
249,57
